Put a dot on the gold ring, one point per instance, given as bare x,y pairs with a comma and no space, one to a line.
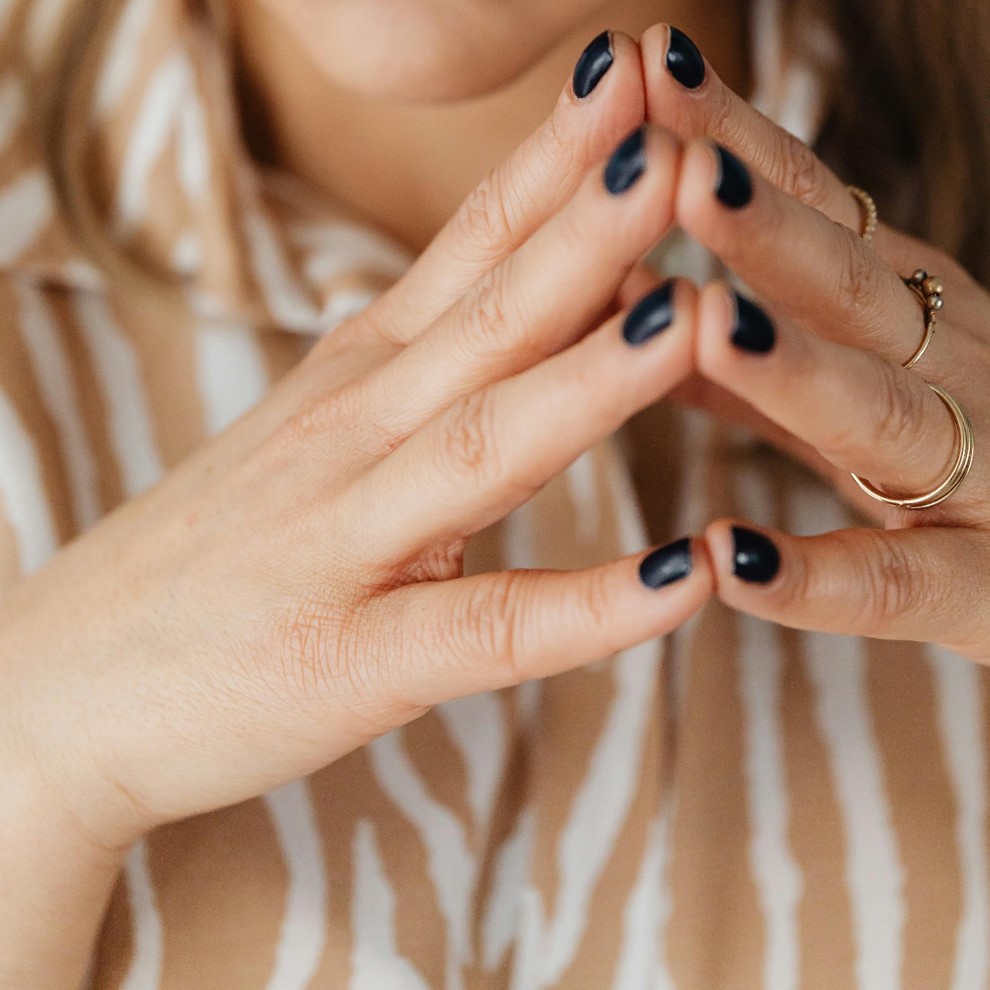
964,461
869,212
928,289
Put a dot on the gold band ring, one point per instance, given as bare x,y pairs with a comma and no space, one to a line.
964,461
928,289
869,212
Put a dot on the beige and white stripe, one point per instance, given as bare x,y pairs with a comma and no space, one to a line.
737,807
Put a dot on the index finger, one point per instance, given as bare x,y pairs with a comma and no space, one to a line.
520,194
685,95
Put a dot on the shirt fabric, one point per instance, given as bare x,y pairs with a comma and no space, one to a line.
735,806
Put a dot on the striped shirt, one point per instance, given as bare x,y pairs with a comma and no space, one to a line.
736,806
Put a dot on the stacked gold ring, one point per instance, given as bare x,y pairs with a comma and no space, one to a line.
929,291
964,461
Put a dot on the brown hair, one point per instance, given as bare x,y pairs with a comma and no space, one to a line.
910,122
912,119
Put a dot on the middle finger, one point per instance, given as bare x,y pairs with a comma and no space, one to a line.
862,413
811,268
541,298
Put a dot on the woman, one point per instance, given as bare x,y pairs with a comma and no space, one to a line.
259,729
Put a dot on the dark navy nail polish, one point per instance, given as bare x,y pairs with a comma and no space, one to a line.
627,164
651,315
733,187
754,557
684,61
594,62
666,565
753,330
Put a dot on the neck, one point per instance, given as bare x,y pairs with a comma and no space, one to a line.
435,154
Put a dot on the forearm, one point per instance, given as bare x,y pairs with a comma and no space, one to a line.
54,887
57,870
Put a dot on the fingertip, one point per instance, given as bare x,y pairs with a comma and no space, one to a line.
683,562
718,546
642,278
676,74
746,558
685,298
684,61
678,579
624,45
703,571
695,197
595,68
716,311
653,43
665,145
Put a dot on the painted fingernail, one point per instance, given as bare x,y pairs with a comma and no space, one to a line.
593,63
753,329
650,316
684,61
627,164
733,187
754,557
666,565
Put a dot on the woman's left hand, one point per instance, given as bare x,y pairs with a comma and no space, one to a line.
819,365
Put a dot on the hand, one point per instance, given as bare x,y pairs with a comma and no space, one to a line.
295,589
821,374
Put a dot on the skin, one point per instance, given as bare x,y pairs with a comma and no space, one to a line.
439,114
209,689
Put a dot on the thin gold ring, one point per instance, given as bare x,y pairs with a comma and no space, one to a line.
929,291
964,461
870,216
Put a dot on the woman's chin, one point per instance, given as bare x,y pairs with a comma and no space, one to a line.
393,51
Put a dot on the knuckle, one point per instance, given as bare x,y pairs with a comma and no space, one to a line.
486,326
491,626
310,422
468,445
309,635
595,602
483,221
899,412
723,117
857,291
557,150
337,413
885,576
322,651
792,166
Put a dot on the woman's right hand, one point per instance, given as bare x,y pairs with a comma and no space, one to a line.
295,588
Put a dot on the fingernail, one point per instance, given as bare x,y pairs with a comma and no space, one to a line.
733,186
684,61
593,63
627,164
753,329
666,565
651,315
754,558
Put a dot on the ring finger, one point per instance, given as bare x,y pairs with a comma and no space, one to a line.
492,450
539,299
814,270
687,97
862,413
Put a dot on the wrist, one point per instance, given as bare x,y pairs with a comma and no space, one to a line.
49,769
57,882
